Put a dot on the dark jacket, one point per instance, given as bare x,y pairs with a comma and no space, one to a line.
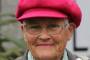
70,56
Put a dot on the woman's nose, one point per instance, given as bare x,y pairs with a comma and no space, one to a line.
44,35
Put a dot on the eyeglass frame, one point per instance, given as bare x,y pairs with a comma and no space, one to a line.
66,23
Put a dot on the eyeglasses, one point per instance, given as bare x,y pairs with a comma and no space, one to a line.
51,29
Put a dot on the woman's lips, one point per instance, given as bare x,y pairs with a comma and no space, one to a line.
44,45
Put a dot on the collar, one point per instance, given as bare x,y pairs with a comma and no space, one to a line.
65,56
30,57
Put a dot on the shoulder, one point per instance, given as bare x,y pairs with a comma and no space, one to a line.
76,57
21,58
84,57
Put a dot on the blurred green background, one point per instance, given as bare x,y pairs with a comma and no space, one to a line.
11,40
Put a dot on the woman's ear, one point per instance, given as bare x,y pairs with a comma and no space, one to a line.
21,27
72,27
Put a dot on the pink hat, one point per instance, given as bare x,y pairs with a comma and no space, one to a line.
49,8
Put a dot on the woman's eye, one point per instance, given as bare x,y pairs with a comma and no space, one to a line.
35,27
53,26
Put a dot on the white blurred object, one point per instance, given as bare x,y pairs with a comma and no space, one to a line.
83,58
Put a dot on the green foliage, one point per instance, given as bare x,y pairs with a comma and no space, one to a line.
10,54
13,52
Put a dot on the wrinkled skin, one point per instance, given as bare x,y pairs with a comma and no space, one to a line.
55,44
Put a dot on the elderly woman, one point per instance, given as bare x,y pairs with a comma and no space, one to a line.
47,26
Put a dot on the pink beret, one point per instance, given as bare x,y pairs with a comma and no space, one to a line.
49,8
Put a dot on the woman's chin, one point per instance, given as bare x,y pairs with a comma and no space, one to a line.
45,54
